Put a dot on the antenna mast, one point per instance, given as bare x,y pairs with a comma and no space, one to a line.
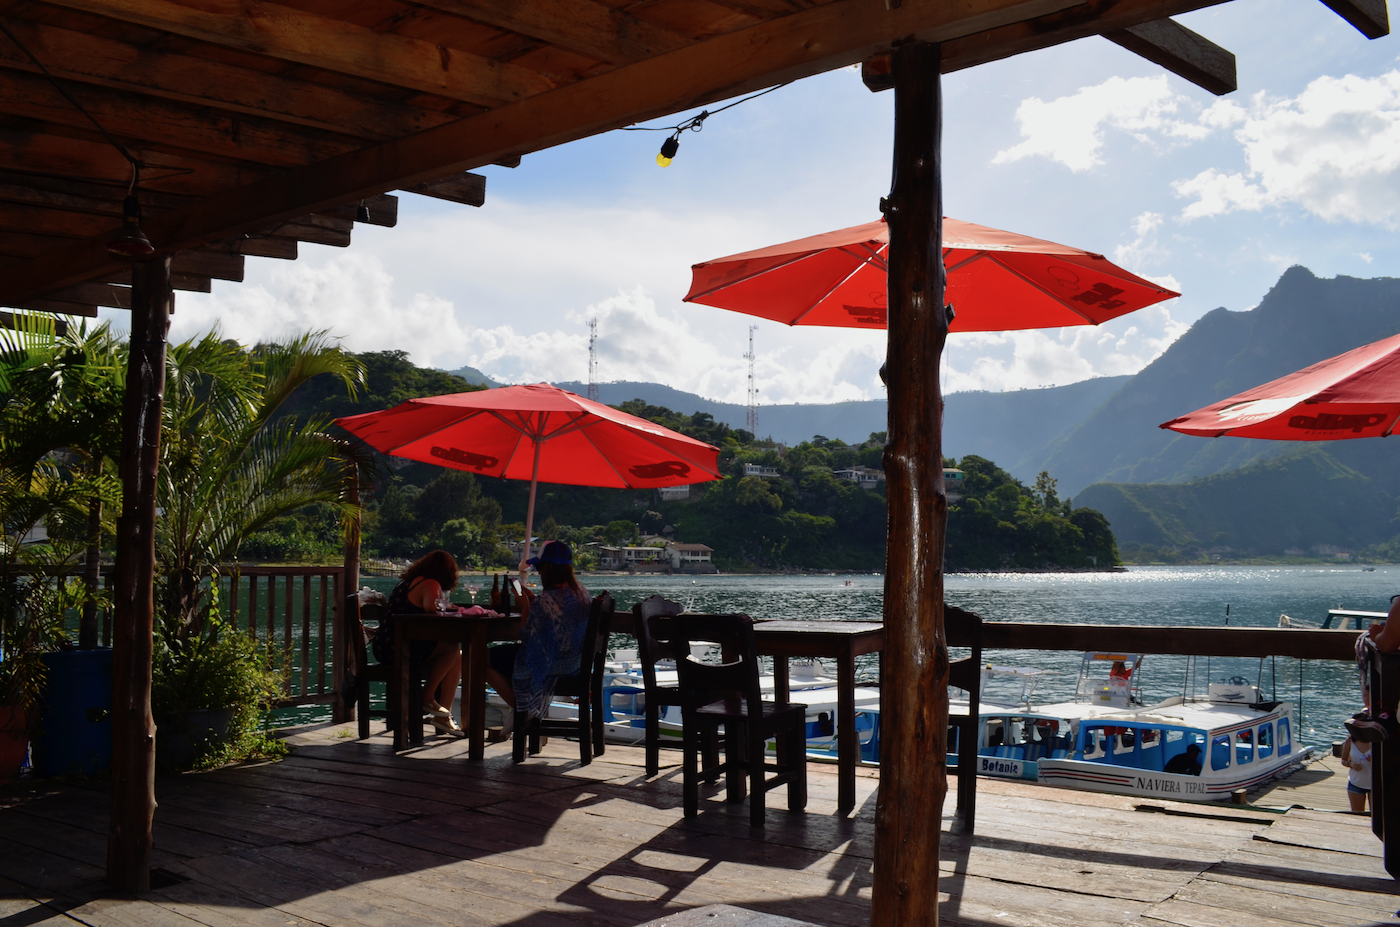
593,359
752,424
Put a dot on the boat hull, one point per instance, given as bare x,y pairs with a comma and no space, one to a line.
1121,780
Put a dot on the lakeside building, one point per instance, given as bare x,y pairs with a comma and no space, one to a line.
674,557
760,470
864,477
953,483
674,493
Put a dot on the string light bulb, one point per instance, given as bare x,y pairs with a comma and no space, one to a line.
130,243
668,150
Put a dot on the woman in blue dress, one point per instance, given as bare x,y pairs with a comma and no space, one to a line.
552,625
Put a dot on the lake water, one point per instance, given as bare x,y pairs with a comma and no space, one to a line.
1141,596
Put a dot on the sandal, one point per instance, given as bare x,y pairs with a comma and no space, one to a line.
446,725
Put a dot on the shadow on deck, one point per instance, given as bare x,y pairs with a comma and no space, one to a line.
346,833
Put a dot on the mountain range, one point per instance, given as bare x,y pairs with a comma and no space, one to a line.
1100,438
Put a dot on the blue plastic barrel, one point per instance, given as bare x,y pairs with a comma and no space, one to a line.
75,731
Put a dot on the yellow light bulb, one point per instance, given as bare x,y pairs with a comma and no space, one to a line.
662,160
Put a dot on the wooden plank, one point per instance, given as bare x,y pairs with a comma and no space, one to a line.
1370,17
612,36
91,59
264,245
96,294
1307,644
1092,18
58,307
7,320
325,42
221,265
383,210
465,188
1181,51
830,36
168,125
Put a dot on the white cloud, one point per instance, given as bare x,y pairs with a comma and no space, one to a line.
1070,129
1144,248
1030,359
1364,255
1334,150
349,295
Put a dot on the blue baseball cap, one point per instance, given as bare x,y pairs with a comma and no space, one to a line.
554,552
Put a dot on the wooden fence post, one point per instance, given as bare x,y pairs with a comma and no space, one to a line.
914,680
133,730
343,710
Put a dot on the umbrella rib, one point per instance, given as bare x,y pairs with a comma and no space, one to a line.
589,438
872,258
976,256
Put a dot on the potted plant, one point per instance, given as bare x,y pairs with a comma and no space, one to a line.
28,630
208,689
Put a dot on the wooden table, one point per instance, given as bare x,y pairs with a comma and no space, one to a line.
472,632
839,640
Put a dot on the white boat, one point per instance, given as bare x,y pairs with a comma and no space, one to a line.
1106,740
624,718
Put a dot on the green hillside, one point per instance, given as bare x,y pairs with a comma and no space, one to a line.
1302,320
1303,503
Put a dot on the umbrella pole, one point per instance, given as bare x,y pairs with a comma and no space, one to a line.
914,663
530,511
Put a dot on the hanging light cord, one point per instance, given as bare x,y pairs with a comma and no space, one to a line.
696,123
135,164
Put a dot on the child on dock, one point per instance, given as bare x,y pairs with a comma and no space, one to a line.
1357,758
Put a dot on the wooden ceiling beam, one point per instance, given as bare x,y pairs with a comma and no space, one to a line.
294,35
192,283
59,307
834,35
145,122
48,155
612,36
1370,17
466,188
221,265
383,211
1185,53
106,295
90,59
9,320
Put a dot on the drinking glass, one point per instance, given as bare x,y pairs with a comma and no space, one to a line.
472,590
444,601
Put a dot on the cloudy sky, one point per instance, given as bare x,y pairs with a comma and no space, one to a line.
1086,144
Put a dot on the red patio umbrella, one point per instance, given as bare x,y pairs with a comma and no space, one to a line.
538,433
997,281
1352,395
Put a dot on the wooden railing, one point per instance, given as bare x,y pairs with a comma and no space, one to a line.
1304,643
295,610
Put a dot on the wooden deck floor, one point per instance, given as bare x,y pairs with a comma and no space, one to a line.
345,833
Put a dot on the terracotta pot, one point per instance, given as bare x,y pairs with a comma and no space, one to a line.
14,742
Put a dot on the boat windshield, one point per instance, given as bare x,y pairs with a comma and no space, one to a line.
1110,678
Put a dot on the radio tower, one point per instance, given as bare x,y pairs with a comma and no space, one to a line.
593,359
752,424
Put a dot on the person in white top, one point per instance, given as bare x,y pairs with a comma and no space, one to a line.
1357,758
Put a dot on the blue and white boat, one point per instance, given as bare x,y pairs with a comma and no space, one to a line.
1106,740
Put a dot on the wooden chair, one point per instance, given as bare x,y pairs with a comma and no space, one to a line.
586,686
366,672
727,694
651,647
966,674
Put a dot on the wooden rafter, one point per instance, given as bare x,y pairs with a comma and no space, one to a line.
613,36
321,41
100,61
1370,17
1181,51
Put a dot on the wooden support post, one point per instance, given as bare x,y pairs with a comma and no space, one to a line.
914,682
343,709
133,730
